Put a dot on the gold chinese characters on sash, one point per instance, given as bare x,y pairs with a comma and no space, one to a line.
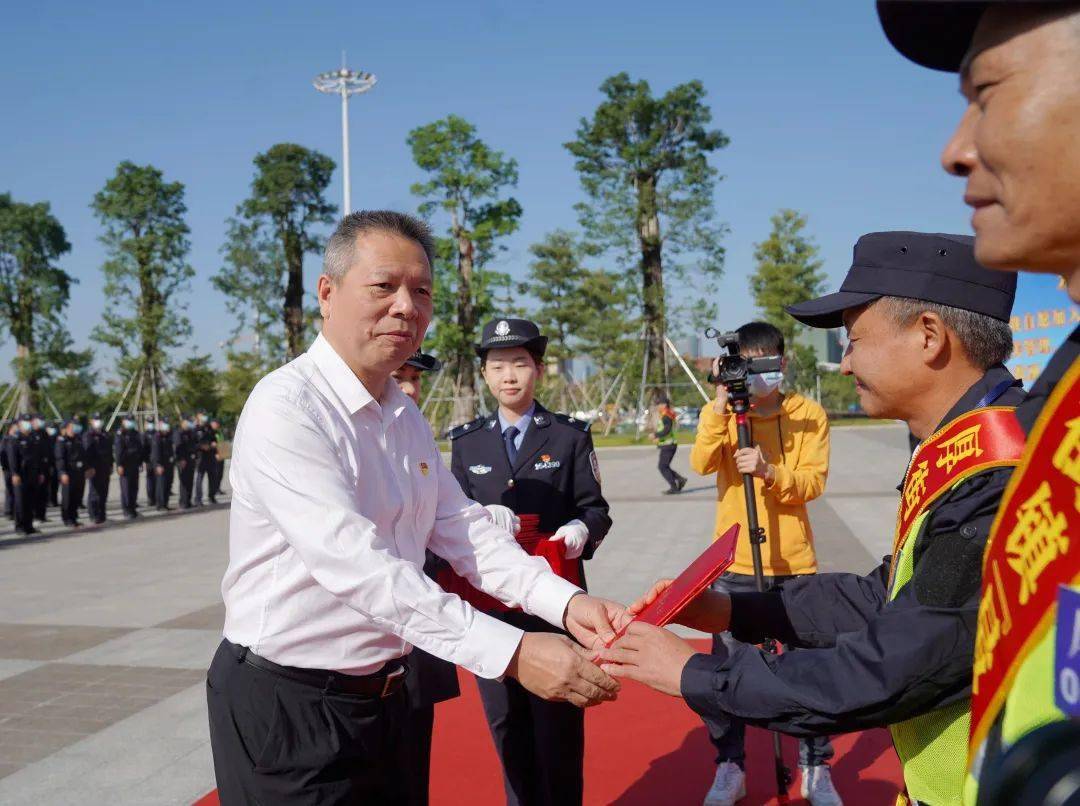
972,443
1034,547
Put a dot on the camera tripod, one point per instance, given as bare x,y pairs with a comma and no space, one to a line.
740,404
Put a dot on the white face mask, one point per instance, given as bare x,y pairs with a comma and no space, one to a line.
764,384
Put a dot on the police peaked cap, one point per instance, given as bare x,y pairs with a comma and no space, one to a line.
500,333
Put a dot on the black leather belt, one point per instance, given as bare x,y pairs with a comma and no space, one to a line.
380,684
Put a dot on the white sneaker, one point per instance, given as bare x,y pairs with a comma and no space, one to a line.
817,786
728,786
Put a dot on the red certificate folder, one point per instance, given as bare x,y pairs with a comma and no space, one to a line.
701,573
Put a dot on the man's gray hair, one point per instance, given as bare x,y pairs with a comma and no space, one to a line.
986,341
338,257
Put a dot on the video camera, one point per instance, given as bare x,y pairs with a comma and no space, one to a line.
735,367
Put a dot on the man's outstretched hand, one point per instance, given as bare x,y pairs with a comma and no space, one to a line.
651,655
593,621
555,668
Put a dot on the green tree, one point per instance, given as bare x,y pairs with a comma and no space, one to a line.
555,277
838,392
147,269
643,163
606,334
242,371
75,392
34,292
787,271
273,229
196,385
466,183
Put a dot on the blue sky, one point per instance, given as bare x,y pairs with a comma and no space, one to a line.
822,114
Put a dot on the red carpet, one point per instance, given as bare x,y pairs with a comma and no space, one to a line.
644,749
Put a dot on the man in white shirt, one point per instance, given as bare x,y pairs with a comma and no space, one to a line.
338,489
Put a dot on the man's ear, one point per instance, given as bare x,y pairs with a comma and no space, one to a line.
323,291
933,337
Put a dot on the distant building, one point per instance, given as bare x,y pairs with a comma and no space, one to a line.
825,344
689,346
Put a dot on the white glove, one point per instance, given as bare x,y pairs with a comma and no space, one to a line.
574,536
505,518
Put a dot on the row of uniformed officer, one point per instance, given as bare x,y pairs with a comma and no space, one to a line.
542,468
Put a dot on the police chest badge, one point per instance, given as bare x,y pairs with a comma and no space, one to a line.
480,470
546,463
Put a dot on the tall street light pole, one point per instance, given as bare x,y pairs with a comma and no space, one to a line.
344,82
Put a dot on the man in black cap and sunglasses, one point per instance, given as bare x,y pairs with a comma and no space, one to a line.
928,332
1017,146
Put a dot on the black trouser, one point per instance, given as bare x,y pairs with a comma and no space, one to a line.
728,733
70,496
217,471
279,741
667,453
185,477
99,493
203,468
40,498
9,495
163,486
54,486
26,493
414,754
541,744
129,489
151,484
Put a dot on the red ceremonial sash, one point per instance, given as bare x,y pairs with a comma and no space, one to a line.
974,442
1033,548
535,543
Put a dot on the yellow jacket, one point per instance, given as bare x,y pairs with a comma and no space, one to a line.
795,442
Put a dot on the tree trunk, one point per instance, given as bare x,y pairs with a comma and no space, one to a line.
465,402
652,272
293,309
26,380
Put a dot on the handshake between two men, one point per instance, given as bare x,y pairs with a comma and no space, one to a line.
555,668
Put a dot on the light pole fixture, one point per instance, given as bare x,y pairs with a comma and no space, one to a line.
344,82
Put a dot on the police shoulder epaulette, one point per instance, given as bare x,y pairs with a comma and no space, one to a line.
466,428
573,422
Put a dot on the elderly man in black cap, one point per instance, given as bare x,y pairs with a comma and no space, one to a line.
1018,148
540,471
928,332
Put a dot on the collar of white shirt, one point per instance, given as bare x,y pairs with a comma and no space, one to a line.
349,388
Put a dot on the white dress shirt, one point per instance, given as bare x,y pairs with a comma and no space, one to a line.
335,497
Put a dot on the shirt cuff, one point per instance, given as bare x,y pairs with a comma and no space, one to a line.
488,647
549,597
698,682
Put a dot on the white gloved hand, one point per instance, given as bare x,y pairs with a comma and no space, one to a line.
574,535
505,518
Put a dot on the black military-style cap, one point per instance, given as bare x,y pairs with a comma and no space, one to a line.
914,265
511,333
937,33
424,362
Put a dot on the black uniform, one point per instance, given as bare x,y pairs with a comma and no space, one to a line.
70,454
25,461
41,447
184,450
217,470
205,458
52,474
99,455
161,457
555,476
127,453
148,464
9,493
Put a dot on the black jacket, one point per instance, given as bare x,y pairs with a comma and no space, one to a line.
70,455
868,662
128,448
556,475
99,450
184,446
161,449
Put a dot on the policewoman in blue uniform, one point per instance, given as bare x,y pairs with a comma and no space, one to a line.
428,680
541,466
